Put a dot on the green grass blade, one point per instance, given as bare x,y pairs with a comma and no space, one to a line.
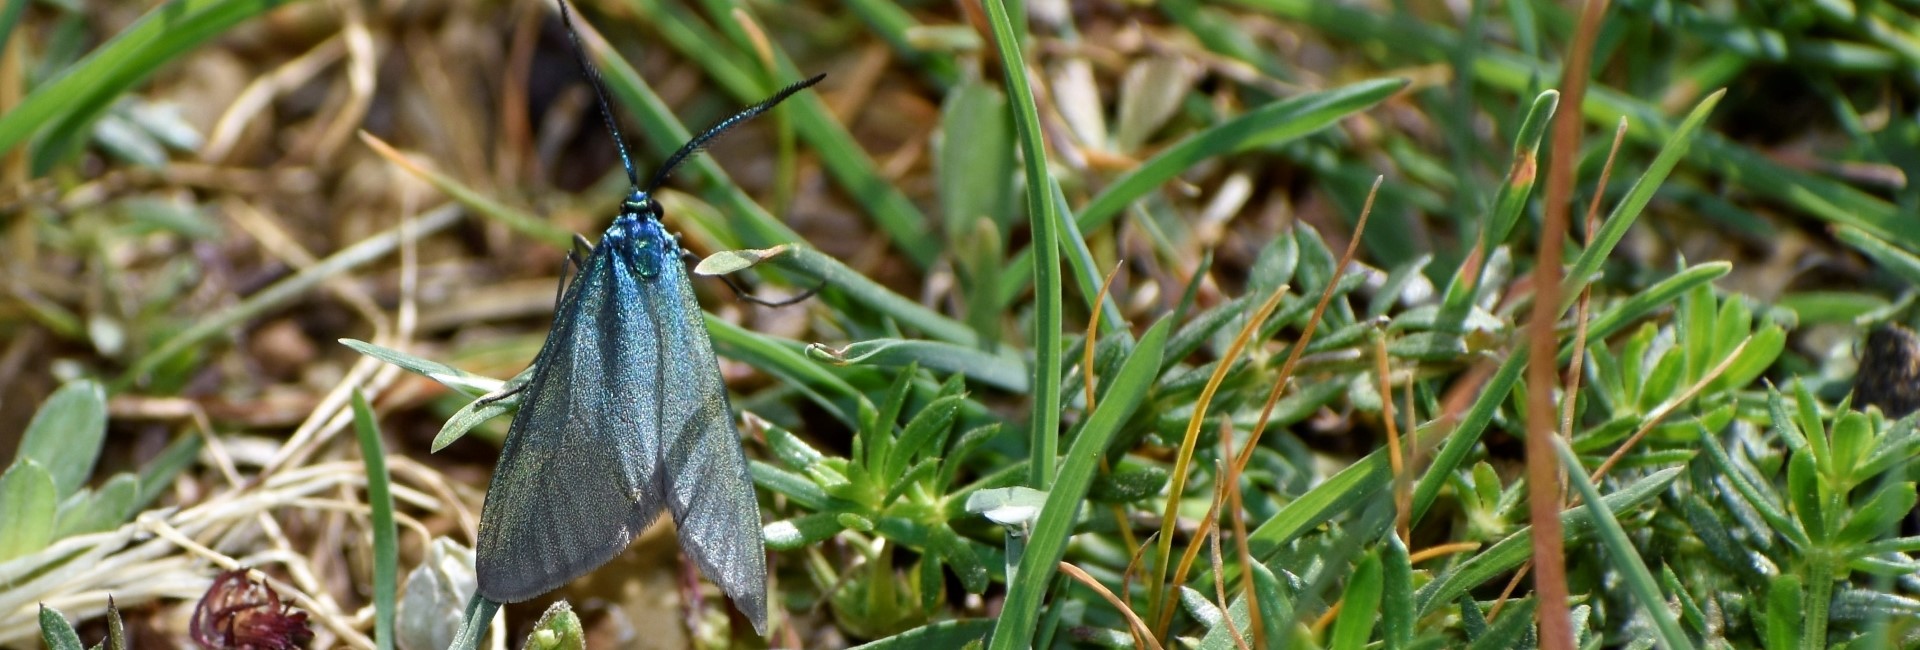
473,626
876,297
1004,372
1359,606
786,362
64,109
1045,218
1396,610
513,218
1630,206
1048,542
471,384
1269,125
1510,201
944,634
1620,550
1465,437
1884,254
386,543
1504,556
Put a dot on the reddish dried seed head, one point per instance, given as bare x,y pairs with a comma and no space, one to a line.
238,613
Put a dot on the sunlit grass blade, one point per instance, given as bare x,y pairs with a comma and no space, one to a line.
1044,215
67,106
1048,541
1629,209
1625,558
1270,125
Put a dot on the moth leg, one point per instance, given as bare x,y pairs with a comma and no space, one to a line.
742,293
514,385
506,391
581,249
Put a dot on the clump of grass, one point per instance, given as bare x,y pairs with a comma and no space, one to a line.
1273,427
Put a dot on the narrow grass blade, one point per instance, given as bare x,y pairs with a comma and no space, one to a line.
473,627
449,376
1359,607
1887,256
66,106
1466,436
1509,553
1048,542
1269,125
1628,210
1044,216
1621,551
386,549
944,634
1001,371
872,295
786,361
519,221
1509,201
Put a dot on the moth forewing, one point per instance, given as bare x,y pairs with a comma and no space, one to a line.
570,490
709,490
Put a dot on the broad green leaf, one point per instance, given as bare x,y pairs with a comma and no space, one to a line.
28,503
66,433
104,509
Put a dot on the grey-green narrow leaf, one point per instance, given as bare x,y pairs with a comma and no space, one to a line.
56,631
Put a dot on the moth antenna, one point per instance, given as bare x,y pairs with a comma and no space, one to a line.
701,141
600,91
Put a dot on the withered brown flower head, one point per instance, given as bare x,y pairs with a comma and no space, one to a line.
240,614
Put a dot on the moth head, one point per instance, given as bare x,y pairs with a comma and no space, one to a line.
640,204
